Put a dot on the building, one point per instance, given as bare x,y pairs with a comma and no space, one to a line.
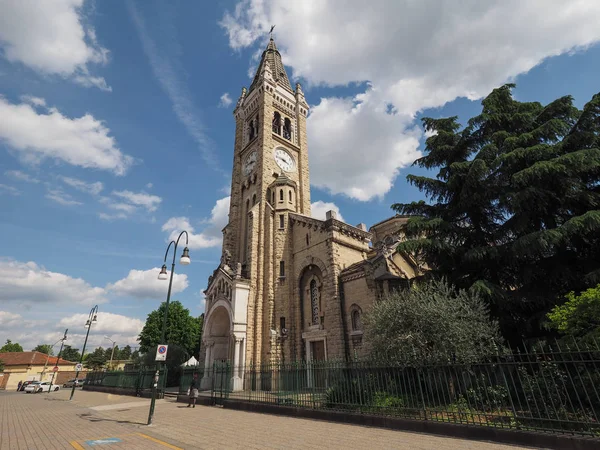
290,287
26,366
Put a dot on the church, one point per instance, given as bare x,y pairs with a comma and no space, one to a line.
290,287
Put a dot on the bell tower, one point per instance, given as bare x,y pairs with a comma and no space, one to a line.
270,179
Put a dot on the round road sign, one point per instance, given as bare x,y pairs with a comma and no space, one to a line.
55,369
162,349
79,367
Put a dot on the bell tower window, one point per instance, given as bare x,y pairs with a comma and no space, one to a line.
280,195
277,123
287,129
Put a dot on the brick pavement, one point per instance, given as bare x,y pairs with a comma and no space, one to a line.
48,421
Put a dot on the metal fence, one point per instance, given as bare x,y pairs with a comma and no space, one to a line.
137,380
548,389
188,373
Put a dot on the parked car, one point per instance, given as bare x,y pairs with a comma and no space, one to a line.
77,382
25,384
35,387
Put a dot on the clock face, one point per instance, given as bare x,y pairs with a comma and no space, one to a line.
284,160
249,163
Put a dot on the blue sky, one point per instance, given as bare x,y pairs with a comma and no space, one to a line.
117,129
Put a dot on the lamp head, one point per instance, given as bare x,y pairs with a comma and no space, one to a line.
163,273
185,257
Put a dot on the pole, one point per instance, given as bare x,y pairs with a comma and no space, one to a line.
164,324
91,320
162,341
57,359
47,359
111,356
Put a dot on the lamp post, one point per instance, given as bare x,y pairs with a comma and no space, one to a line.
92,319
57,359
184,261
111,353
48,356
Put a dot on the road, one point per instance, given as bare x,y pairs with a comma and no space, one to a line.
50,421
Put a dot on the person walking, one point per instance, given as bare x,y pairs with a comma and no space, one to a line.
193,392
19,386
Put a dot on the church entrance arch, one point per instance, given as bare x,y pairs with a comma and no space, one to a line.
217,339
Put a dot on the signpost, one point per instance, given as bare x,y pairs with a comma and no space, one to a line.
55,369
78,367
161,353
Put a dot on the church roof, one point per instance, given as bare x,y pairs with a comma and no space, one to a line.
272,57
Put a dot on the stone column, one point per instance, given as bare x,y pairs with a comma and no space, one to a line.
236,380
206,382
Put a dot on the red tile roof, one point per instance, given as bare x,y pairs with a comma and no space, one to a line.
31,359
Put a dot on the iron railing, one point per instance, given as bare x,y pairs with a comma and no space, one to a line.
187,374
546,389
137,380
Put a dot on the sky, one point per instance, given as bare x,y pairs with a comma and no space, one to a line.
116,128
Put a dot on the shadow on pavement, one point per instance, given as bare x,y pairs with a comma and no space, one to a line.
91,418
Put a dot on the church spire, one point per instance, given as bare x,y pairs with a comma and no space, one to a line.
272,58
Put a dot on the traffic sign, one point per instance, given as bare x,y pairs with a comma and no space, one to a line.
55,369
79,367
161,353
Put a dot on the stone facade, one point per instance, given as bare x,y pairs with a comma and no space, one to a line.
289,287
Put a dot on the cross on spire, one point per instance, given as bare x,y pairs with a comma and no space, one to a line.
271,31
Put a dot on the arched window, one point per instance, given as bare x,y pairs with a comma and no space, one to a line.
280,195
314,302
273,198
251,130
287,129
290,196
277,123
356,321
254,200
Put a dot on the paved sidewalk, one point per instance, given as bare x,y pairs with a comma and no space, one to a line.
49,421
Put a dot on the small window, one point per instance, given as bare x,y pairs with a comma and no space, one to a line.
281,221
290,196
282,323
281,269
280,195
273,197
287,129
254,200
307,239
277,123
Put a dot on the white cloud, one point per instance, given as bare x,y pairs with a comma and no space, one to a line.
145,284
107,323
225,100
34,101
61,197
28,282
211,235
50,37
9,189
8,319
319,209
111,217
167,70
83,141
149,186
88,188
142,199
21,176
415,55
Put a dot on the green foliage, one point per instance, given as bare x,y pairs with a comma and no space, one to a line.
124,353
579,317
514,209
431,322
10,347
96,359
183,330
44,348
70,354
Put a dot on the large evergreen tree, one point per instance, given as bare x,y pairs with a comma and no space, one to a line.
70,354
514,209
11,347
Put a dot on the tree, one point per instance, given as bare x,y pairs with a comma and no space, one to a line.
9,347
579,317
183,330
125,353
70,354
432,323
513,210
44,348
96,359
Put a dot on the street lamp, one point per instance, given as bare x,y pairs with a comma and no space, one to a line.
92,319
57,360
48,356
112,352
184,261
